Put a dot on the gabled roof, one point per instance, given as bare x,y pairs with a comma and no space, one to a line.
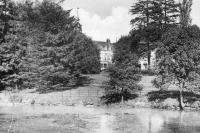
101,44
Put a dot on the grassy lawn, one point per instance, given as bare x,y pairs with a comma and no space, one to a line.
89,93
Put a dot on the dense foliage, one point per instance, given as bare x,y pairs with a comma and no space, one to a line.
157,13
178,58
47,49
152,18
178,55
84,55
11,50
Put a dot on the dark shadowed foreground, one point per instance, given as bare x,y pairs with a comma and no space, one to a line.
62,119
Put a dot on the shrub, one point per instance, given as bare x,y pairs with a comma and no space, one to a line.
121,85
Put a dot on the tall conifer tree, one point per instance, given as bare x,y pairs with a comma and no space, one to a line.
152,17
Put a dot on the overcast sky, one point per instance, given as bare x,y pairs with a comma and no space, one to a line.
103,19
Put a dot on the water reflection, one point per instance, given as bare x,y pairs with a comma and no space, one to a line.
105,121
121,120
152,127
155,121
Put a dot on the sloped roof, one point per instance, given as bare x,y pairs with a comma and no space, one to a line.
100,44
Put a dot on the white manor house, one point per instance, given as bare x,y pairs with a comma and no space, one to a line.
106,53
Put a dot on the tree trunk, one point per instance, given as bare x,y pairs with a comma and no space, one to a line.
181,100
165,13
122,99
149,56
147,12
181,104
16,87
162,83
5,27
148,46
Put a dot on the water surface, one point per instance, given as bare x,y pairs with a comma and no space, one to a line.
50,119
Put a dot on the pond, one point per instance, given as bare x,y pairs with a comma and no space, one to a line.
62,119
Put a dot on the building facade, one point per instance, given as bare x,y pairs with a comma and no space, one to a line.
106,53
143,61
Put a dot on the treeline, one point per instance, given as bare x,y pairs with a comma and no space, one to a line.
42,46
164,26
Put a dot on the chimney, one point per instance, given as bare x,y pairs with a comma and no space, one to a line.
108,40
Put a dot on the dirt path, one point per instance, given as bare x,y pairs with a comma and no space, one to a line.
142,99
147,85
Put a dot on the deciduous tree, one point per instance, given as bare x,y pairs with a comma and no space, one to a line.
178,58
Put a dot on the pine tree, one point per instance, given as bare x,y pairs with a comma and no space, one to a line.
141,12
152,17
7,14
11,50
154,12
51,31
43,47
185,10
85,55
57,50
164,13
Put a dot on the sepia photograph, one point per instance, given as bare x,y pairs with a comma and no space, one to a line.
99,66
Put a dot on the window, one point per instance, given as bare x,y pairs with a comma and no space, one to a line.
145,65
108,57
101,65
105,65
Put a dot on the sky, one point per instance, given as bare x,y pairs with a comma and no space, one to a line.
102,19
110,19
